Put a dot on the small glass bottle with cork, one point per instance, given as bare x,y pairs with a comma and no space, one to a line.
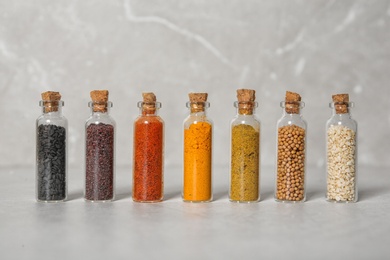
51,150
291,151
341,140
148,159
197,183
245,150
99,149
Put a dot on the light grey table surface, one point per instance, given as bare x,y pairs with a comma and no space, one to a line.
173,229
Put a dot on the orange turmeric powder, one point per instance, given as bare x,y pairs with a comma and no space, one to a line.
197,162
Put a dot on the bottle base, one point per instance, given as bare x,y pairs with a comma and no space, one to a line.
341,201
51,201
244,201
198,201
147,201
290,201
98,201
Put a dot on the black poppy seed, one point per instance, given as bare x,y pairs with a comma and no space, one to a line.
51,163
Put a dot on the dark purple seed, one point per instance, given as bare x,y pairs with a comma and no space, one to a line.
99,183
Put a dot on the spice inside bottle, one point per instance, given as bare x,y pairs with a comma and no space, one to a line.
148,163
99,149
291,151
341,152
51,147
197,185
245,150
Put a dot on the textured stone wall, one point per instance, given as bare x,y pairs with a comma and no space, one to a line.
172,47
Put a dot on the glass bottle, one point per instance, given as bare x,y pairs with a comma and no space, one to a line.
197,184
291,151
51,150
341,139
245,150
148,160
99,150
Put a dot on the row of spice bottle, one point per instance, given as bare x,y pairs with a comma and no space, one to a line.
148,155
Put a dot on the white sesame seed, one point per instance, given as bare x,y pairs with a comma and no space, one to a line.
341,147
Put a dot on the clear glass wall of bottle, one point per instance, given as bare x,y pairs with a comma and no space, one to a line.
99,153
341,139
148,159
197,186
245,154
291,154
51,152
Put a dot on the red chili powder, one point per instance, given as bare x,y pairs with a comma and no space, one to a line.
148,159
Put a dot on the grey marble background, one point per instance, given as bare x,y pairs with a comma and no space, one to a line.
172,47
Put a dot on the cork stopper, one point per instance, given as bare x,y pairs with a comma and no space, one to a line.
341,103
197,101
99,99
292,102
149,101
50,101
246,98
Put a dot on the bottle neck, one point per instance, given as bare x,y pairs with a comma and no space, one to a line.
341,115
148,112
99,113
198,113
341,109
100,107
293,115
198,108
245,108
52,108
55,112
149,108
241,112
292,109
